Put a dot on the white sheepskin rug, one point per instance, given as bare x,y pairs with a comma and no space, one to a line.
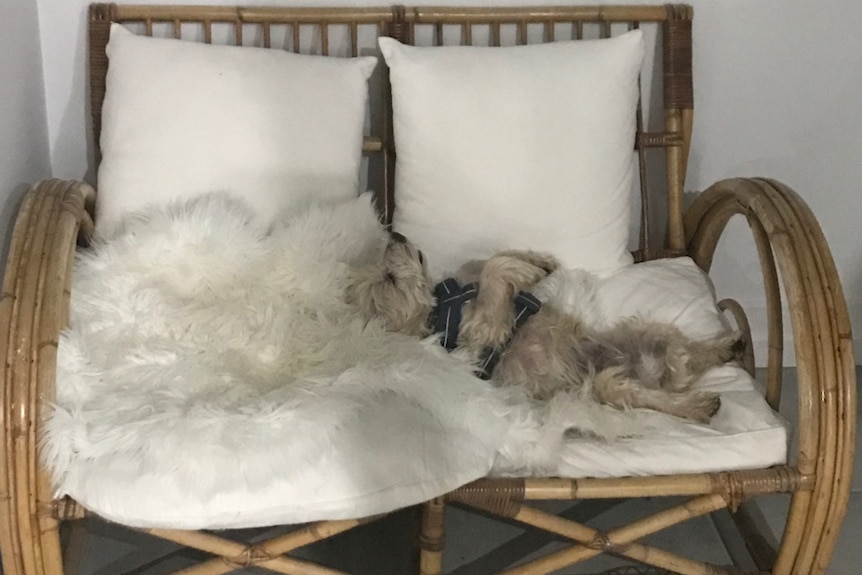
210,349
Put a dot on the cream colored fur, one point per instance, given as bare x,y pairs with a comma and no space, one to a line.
632,364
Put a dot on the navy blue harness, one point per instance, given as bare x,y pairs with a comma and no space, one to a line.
448,312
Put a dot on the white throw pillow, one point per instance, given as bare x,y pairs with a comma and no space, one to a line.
184,118
516,147
673,291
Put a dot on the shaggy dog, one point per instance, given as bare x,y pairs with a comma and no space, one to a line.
633,364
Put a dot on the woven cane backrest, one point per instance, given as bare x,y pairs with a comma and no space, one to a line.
664,115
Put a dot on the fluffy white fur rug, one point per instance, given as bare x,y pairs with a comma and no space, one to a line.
209,347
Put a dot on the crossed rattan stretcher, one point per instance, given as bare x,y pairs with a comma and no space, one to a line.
792,250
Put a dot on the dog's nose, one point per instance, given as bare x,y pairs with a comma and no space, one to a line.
398,238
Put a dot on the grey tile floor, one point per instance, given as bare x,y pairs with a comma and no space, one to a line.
475,544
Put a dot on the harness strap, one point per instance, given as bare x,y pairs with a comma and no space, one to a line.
526,304
448,313
451,298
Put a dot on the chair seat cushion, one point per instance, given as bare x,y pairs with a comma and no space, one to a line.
744,434
213,377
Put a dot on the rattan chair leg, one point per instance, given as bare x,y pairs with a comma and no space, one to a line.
237,555
272,548
621,541
432,537
752,527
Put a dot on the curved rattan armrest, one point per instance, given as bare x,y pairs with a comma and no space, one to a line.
53,217
34,309
794,251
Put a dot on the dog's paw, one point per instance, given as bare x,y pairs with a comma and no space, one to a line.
702,406
732,346
703,355
546,263
487,328
738,347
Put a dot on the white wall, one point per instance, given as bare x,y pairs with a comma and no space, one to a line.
777,86
24,154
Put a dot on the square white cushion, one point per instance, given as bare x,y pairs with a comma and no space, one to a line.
673,291
184,118
527,147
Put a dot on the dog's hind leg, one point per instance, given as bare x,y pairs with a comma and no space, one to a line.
661,356
688,359
612,387
703,355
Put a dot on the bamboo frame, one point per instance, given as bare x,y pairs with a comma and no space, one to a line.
791,247
401,22
33,309
789,240
823,344
269,554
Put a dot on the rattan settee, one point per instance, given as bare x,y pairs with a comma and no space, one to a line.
56,218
